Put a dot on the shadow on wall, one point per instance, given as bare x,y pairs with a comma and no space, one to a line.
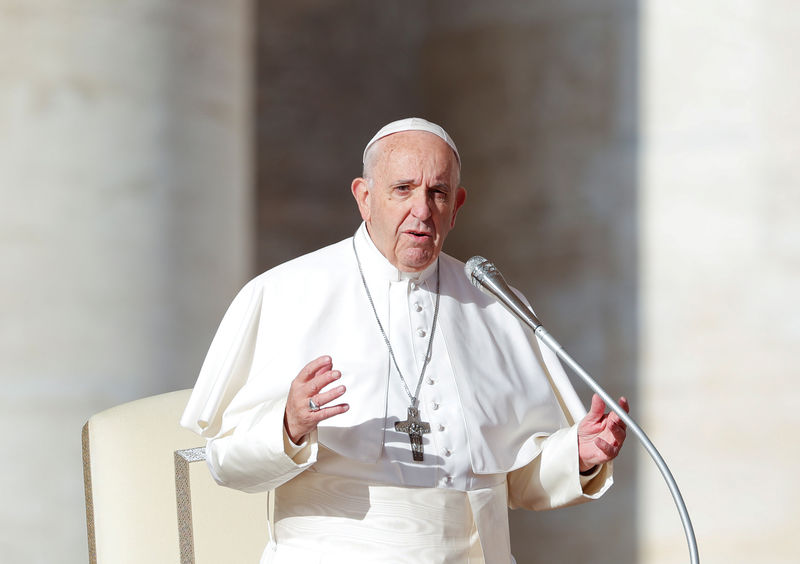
544,111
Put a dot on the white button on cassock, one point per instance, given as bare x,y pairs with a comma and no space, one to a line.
421,332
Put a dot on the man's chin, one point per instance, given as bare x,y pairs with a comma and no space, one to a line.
415,260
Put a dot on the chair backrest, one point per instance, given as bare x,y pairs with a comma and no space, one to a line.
131,472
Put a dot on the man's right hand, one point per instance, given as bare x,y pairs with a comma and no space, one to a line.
299,419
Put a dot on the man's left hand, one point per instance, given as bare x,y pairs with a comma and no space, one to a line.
600,434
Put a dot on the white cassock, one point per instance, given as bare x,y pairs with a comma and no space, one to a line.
501,409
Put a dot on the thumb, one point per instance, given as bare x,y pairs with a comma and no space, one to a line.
598,408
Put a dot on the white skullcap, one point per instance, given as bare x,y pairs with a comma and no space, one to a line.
412,124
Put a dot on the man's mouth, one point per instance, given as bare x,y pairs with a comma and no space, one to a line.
418,234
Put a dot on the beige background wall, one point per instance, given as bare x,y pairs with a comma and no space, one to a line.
630,165
719,252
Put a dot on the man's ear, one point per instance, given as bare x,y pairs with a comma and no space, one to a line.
360,189
461,197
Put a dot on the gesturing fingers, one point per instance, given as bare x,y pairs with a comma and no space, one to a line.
616,420
600,434
610,450
326,397
313,368
321,379
306,404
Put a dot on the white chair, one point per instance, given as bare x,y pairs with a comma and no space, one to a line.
147,501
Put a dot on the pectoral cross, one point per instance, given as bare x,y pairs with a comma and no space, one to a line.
415,428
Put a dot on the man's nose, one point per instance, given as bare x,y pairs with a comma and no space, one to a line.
420,204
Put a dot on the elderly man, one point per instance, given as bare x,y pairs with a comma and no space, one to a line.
395,410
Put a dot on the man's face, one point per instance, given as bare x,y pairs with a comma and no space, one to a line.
410,200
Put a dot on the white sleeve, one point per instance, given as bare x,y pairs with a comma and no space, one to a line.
552,479
255,456
227,364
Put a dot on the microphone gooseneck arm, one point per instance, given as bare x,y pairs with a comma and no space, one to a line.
485,276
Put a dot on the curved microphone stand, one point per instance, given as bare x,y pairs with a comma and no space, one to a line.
485,276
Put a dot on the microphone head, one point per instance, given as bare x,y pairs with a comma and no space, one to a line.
476,269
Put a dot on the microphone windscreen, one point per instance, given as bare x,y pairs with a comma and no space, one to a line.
474,269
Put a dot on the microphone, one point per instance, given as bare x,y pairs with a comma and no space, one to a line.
487,278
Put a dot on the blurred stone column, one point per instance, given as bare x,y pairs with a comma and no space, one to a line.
124,228
720,272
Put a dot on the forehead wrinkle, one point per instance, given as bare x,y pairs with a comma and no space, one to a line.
399,151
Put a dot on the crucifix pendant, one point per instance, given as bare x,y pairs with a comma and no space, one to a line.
415,428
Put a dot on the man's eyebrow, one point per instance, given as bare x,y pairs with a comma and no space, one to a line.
413,182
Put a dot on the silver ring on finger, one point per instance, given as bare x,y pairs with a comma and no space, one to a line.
312,406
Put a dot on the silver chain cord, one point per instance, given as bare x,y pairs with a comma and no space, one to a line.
415,395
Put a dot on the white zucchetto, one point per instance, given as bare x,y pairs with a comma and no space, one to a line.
412,124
